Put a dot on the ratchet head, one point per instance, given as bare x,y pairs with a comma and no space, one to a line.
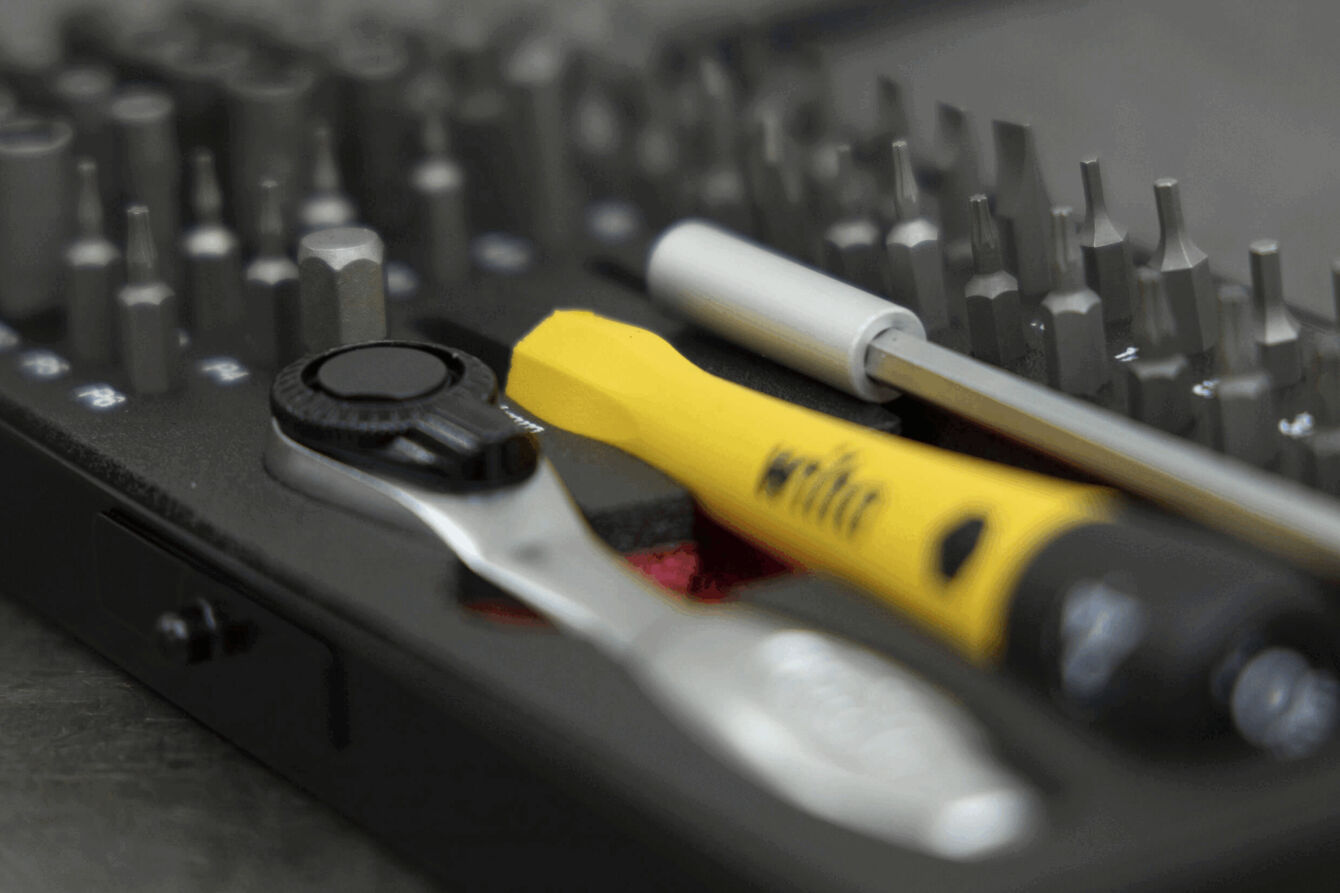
421,411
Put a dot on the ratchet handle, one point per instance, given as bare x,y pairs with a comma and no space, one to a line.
943,537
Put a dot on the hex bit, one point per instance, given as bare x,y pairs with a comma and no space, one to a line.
960,178
144,120
995,319
36,213
1277,332
93,274
780,200
1186,273
1108,266
1023,208
211,257
341,288
270,289
914,263
440,234
326,205
1158,378
147,313
853,243
1074,338
1241,406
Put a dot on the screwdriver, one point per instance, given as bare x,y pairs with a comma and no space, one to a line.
1128,620
768,303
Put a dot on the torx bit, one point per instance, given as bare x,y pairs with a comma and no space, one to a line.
853,244
341,287
960,178
36,213
1108,267
1276,329
212,259
1073,336
269,134
1186,273
719,190
1241,406
93,274
327,205
913,262
440,234
534,80
270,289
1023,208
144,121
1158,378
147,313
372,70
995,320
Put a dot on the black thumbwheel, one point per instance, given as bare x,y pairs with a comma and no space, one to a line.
422,411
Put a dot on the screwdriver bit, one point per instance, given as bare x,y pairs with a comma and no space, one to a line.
268,136
719,191
1186,273
1023,208
440,234
341,288
270,289
1276,329
960,178
144,121
780,200
995,320
479,134
656,154
84,94
534,80
1074,337
212,259
371,70
599,133
893,121
147,313
1241,406
36,213
1108,267
853,244
327,205
93,274
1158,378
913,262
195,72
1321,450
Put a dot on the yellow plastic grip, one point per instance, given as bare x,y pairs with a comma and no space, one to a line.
834,496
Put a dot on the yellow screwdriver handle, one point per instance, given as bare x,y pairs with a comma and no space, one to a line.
940,536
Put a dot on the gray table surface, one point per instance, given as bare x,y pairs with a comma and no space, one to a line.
103,786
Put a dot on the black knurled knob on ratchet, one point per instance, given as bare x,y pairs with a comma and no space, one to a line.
415,410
